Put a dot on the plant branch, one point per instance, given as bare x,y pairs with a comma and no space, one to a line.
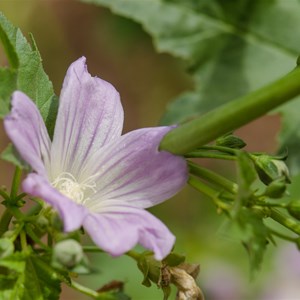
232,115
283,220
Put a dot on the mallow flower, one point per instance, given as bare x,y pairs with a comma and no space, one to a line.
91,174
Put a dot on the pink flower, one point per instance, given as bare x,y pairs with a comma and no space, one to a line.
89,173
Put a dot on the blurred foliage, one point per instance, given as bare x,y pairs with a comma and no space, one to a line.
232,47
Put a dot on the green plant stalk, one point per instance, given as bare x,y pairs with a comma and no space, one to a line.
213,177
232,115
15,183
284,221
208,191
206,154
221,149
93,294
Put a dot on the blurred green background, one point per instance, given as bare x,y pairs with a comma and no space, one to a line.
118,51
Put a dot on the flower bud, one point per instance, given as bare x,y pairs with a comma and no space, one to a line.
230,141
294,209
67,253
276,189
270,169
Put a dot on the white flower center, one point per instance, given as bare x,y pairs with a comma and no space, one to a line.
67,184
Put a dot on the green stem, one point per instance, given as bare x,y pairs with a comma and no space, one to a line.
231,116
84,290
16,212
285,221
23,240
35,238
19,197
268,204
91,249
206,154
221,149
208,191
213,177
5,220
15,183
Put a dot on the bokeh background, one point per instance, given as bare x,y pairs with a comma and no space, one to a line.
119,51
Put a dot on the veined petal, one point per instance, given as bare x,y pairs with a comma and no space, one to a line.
26,129
71,213
132,170
90,115
117,228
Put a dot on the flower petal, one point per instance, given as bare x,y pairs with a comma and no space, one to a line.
26,129
90,115
71,213
132,170
117,228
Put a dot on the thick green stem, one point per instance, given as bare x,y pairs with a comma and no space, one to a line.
232,115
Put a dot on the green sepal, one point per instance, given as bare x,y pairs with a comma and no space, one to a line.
150,268
174,259
231,141
276,189
270,169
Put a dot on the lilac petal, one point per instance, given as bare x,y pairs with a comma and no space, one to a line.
26,129
132,170
90,115
71,213
117,228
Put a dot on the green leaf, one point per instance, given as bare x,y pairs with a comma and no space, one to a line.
254,237
12,270
26,74
41,282
8,79
231,47
26,277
